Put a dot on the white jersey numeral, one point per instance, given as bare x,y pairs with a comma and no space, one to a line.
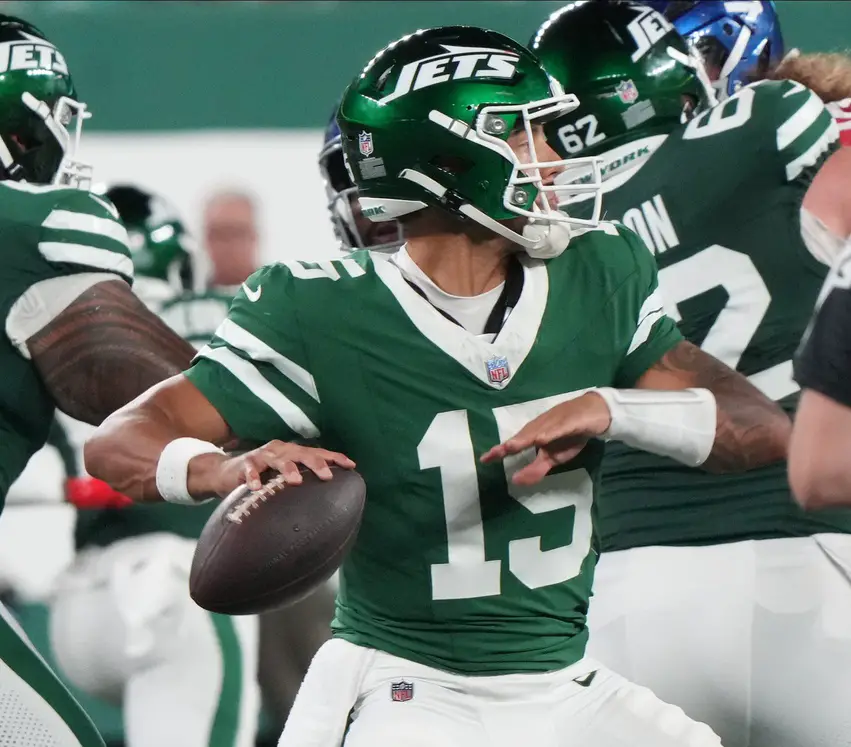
572,138
447,445
326,268
729,115
748,300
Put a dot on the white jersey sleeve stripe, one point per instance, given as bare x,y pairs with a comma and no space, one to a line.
257,350
248,375
799,122
80,254
652,310
70,221
812,154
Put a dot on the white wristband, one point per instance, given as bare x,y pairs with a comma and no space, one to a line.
676,424
173,467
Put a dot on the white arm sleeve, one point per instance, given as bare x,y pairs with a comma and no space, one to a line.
42,302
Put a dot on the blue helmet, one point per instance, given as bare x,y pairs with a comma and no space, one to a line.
739,42
353,230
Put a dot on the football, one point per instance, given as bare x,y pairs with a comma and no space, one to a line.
266,549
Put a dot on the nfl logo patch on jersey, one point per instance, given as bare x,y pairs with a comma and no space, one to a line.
497,368
365,144
626,91
401,692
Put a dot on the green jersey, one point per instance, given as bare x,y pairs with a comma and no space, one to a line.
57,242
719,204
194,316
454,565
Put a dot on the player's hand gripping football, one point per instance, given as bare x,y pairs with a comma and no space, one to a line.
209,473
559,435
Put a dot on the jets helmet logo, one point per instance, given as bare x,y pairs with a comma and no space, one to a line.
36,54
457,63
646,30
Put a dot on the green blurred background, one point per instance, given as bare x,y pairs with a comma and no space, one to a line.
145,65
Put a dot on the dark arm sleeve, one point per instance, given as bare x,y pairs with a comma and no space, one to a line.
823,362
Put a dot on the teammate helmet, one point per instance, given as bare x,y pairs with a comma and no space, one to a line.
37,104
631,70
161,248
738,41
352,229
427,124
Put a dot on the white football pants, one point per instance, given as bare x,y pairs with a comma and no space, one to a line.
584,705
36,709
753,638
124,628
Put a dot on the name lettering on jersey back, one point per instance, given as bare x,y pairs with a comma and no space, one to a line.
36,55
455,64
646,30
652,223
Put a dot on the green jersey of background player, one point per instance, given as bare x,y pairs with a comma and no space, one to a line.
718,202
169,278
720,593
470,560
204,667
75,336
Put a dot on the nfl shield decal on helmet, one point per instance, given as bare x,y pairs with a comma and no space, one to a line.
365,144
626,91
401,692
498,370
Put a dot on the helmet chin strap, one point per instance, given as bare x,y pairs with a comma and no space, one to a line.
540,240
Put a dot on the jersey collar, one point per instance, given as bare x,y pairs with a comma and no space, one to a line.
514,341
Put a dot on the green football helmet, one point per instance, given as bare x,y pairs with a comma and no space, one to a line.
165,258
633,73
38,102
427,123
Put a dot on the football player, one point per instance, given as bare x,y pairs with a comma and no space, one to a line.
828,75
717,592
461,613
738,42
122,625
352,229
741,43
75,336
821,440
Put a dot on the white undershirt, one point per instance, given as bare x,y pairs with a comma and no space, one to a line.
471,312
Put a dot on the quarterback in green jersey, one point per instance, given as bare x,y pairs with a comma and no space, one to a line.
718,592
436,370
75,337
123,626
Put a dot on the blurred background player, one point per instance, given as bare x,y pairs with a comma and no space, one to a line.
741,43
819,470
717,592
231,238
123,627
352,229
75,336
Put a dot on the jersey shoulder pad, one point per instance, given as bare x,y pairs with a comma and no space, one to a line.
617,250
82,230
798,129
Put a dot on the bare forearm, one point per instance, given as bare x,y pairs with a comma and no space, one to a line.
752,431
125,449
